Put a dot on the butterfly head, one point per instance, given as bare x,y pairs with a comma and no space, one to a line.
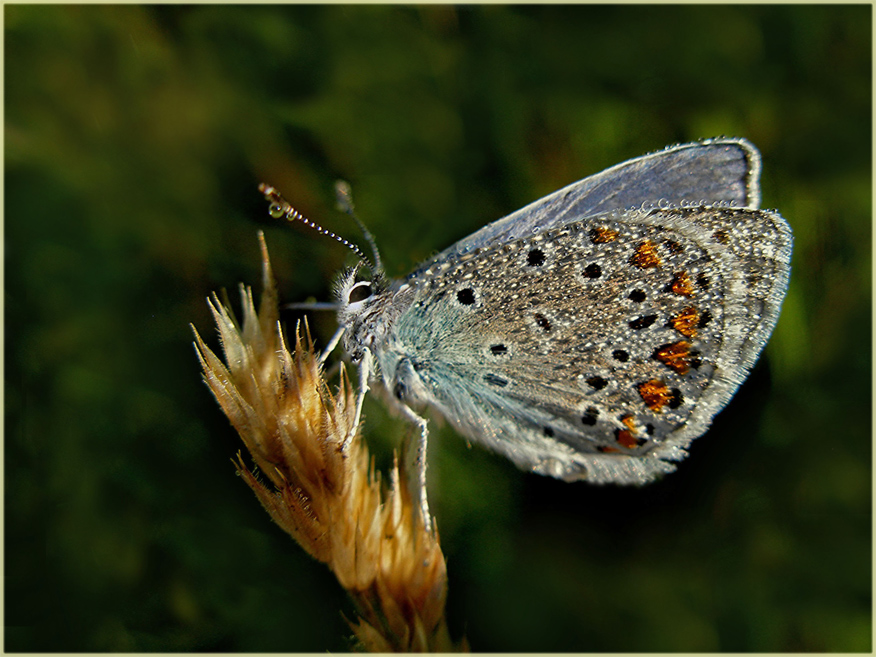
363,290
362,293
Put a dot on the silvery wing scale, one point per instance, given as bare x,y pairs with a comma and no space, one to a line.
596,332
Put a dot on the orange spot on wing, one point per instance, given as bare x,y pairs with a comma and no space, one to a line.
686,322
682,285
626,439
674,356
655,394
602,235
645,256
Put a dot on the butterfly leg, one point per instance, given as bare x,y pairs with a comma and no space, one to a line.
366,369
330,347
414,457
415,462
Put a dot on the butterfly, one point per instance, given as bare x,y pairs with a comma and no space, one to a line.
593,334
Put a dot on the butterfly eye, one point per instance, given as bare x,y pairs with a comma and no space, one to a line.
360,292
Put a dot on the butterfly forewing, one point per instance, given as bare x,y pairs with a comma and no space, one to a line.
721,171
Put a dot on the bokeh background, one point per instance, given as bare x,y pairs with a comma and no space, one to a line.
135,138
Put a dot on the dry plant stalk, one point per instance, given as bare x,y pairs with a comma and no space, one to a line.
321,484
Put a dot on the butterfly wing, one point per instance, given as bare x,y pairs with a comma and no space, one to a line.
598,349
710,172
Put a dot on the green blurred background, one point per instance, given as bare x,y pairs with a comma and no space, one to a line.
135,138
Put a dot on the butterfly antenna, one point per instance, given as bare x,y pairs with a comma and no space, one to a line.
344,196
280,208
